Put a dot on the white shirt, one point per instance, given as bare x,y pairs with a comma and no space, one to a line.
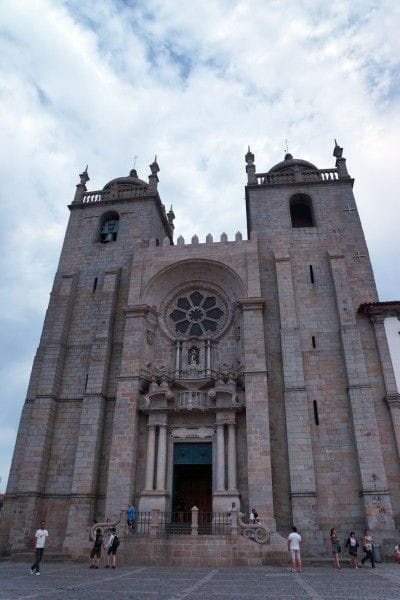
41,535
110,541
294,540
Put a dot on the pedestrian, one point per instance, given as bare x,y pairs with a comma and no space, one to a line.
112,547
131,517
254,519
41,536
294,540
352,544
397,553
336,549
368,550
95,554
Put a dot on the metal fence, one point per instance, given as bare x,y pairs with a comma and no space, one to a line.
141,524
214,523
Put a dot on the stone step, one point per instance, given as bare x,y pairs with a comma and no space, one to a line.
201,550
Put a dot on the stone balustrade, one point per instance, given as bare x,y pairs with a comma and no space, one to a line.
191,400
298,176
102,196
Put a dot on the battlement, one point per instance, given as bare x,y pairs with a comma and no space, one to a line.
209,241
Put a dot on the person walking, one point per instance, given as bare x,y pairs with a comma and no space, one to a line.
131,517
95,554
368,550
294,541
352,544
41,536
336,549
112,547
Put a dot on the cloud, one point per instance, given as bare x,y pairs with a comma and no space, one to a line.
193,82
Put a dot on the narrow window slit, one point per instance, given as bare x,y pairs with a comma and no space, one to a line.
94,285
316,416
313,341
86,380
311,274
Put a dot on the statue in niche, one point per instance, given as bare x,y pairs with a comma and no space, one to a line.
193,356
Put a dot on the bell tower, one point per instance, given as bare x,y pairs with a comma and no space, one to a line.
315,273
58,461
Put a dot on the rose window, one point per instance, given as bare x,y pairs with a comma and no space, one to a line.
197,314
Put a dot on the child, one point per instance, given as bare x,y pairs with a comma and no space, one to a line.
95,554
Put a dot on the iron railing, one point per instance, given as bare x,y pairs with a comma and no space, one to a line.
214,523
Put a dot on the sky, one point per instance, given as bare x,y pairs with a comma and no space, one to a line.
194,82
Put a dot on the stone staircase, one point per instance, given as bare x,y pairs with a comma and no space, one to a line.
201,550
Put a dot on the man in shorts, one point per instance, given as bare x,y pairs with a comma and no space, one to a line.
40,540
294,540
112,547
95,554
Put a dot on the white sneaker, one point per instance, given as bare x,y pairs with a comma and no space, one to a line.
37,572
32,572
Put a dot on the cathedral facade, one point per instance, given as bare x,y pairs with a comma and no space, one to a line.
250,371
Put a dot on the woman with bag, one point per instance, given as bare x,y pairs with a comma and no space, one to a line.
352,545
336,549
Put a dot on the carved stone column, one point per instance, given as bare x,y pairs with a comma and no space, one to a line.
161,457
151,449
232,482
220,457
151,498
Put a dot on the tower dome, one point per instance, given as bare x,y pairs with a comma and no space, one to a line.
289,162
131,179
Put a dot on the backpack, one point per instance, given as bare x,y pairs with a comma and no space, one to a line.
116,542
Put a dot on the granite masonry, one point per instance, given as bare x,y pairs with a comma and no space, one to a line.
249,371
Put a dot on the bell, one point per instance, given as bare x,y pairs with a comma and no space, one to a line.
108,238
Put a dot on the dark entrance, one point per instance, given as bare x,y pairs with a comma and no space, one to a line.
192,483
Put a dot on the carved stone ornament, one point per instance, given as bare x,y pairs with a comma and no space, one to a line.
195,311
192,432
256,533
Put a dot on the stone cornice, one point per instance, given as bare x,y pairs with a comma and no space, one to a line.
358,386
392,400
300,184
380,309
139,310
378,492
254,303
305,494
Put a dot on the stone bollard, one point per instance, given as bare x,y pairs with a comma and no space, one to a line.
234,520
195,521
154,522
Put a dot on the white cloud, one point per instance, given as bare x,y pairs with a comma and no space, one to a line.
195,82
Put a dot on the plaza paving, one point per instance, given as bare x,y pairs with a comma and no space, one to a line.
77,581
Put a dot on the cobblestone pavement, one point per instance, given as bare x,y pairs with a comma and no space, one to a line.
60,581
